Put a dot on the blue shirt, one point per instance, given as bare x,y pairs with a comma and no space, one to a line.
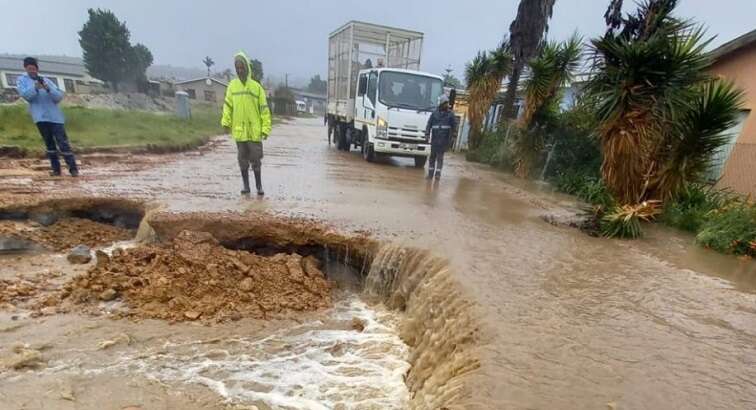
43,104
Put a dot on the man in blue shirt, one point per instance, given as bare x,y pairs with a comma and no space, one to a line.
43,97
441,128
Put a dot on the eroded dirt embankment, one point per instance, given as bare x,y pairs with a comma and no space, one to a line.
439,325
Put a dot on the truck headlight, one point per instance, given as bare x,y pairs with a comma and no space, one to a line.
381,128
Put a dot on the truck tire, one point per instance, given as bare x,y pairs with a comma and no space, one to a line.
368,152
420,162
340,137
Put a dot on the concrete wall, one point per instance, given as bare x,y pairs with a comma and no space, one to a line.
200,87
740,169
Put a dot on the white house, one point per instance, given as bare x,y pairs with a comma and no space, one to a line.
68,73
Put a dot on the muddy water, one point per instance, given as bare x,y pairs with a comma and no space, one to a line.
569,321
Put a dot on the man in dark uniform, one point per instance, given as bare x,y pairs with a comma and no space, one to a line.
441,127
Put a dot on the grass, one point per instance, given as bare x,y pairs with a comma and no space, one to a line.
90,129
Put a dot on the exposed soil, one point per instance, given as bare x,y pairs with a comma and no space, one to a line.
66,233
194,278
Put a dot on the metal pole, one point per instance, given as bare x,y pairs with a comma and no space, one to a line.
388,45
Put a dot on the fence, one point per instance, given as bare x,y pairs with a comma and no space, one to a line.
738,168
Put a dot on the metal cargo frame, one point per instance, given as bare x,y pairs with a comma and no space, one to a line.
356,42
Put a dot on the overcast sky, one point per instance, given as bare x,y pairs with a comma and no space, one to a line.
291,36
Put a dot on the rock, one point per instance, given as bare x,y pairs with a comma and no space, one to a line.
311,266
102,258
44,219
13,244
192,315
24,358
80,255
358,324
247,284
108,295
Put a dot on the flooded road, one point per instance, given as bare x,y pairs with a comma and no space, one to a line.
570,321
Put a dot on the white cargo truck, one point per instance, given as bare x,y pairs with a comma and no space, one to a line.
377,100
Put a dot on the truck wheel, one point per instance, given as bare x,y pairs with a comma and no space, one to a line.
348,138
368,152
340,137
420,162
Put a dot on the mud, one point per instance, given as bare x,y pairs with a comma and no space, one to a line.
66,233
193,277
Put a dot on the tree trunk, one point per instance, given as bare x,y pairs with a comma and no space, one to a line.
509,111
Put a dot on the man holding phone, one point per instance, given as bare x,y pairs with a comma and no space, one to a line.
43,97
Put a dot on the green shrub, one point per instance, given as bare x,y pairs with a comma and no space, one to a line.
492,150
690,209
731,229
625,221
588,188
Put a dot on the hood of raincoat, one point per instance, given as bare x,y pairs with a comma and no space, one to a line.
241,55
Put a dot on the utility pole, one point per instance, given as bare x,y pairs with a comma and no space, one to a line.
287,80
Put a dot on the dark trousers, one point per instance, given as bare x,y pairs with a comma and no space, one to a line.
436,160
250,154
56,140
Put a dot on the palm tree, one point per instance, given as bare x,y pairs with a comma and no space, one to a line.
209,63
484,75
526,35
477,77
660,114
554,67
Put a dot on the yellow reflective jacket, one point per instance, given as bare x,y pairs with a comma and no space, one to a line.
245,109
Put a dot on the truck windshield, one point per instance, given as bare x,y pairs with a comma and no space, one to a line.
410,91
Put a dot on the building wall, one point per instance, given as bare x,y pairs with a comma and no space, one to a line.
198,88
739,171
64,82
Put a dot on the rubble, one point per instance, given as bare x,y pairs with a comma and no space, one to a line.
195,278
80,255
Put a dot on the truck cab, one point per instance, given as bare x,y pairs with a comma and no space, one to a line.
391,110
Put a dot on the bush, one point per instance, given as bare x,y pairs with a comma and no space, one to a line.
492,150
690,210
588,188
576,150
731,229
625,221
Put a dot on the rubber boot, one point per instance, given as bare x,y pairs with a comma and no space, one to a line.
258,183
430,173
245,180
438,174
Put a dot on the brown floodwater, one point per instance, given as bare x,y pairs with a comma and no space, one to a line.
571,322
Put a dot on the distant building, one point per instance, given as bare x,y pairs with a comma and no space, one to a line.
204,89
735,165
68,73
313,103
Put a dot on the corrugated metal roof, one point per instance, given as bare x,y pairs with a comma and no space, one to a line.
72,66
202,80
732,46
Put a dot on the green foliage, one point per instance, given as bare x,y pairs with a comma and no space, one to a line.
661,115
731,229
101,128
107,51
588,188
576,149
450,80
492,150
624,221
692,206
317,85
257,70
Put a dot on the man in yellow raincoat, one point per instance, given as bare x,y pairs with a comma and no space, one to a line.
246,117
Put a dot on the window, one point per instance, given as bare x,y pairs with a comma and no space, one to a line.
719,159
69,85
372,86
192,94
11,79
362,87
410,91
210,95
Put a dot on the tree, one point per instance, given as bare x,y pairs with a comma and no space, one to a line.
661,116
484,75
450,80
108,53
526,34
257,70
550,71
317,85
208,63
140,59
105,44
